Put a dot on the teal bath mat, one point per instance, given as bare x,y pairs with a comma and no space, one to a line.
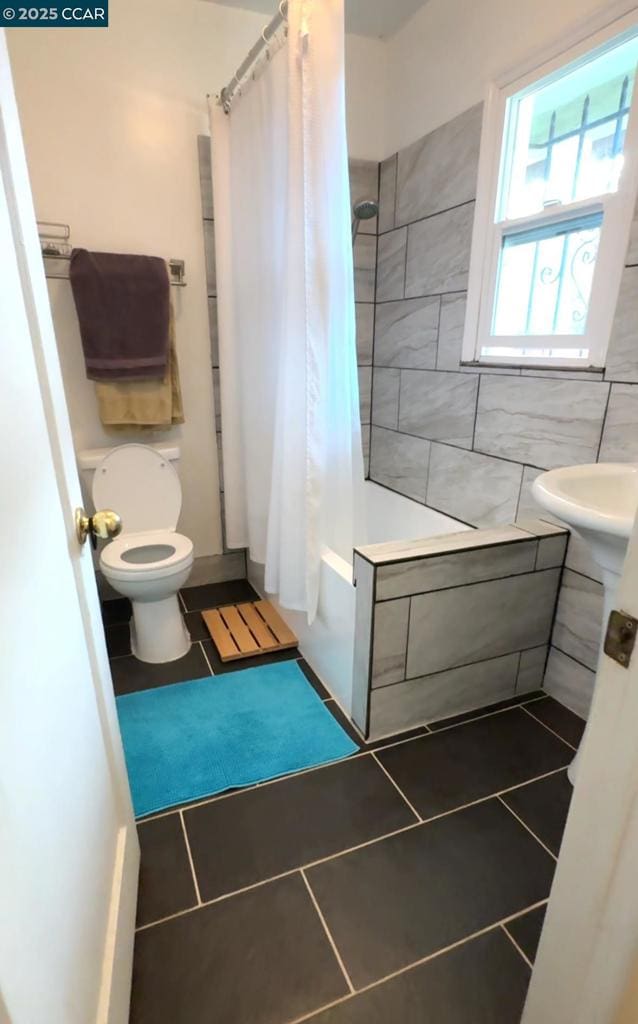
191,740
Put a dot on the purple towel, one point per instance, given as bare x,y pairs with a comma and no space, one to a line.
122,304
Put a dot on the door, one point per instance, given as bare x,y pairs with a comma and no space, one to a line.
587,965
68,848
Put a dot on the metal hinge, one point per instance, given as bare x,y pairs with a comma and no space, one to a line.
621,637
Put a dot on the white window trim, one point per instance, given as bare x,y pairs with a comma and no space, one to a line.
618,207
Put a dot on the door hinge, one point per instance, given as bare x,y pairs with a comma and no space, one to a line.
621,637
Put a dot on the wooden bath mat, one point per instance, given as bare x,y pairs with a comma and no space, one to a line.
246,630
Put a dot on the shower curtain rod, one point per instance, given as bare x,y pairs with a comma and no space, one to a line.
227,93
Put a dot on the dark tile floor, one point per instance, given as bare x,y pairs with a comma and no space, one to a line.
406,883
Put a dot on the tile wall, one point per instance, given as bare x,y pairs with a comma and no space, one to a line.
470,443
452,623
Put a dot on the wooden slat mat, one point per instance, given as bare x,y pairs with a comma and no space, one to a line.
246,630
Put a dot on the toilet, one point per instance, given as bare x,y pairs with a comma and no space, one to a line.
149,561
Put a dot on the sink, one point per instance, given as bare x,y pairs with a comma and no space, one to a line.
599,503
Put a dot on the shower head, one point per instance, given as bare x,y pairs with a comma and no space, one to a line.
363,209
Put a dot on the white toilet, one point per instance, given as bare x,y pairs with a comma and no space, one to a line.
149,561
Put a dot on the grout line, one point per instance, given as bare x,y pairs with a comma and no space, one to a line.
487,714
203,650
182,601
517,947
327,931
549,729
190,858
528,829
398,789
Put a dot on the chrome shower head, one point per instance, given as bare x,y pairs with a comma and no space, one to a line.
363,209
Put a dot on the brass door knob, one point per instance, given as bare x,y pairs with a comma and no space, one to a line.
104,524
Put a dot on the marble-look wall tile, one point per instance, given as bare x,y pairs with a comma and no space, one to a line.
438,405
213,331
439,171
579,615
205,176
218,568
385,397
387,193
391,265
531,669
364,184
569,682
456,569
217,398
429,699
220,460
365,392
475,488
406,333
451,327
622,355
363,576
399,462
365,444
439,253
209,257
390,641
498,617
365,332
620,433
527,504
365,262
551,551
579,558
543,422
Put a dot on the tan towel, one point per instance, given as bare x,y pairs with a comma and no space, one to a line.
143,403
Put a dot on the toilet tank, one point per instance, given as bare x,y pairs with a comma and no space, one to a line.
88,460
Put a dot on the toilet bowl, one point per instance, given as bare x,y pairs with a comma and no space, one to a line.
149,561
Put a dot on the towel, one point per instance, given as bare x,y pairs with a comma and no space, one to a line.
122,304
143,403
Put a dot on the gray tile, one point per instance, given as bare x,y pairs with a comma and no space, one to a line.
213,331
430,698
209,257
365,444
456,569
439,171
364,184
211,570
406,333
531,669
438,405
569,682
622,354
551,551
365,392
580,559
391,265
620,433
578,551
365,332
220,460
439,253
390,641
399,461
217,397
579,615
385,397
566,374
462,539
527,504
543,422
205,175
451,329
540,527
475,488
365,261
363,576
497,617
387,192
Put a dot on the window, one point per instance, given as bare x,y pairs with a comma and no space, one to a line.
552,219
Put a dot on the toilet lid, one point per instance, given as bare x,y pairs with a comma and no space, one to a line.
141,486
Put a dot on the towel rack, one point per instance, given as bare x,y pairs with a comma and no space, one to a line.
55,243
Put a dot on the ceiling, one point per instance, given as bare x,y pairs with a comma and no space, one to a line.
376,18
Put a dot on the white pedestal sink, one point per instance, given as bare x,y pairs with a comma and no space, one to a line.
598,502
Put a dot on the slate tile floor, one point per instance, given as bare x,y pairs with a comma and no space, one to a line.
406,883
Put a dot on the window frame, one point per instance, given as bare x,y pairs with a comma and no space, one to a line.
617,209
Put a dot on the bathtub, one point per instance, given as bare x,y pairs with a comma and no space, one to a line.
328,644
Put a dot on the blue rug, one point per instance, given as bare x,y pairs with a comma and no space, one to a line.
194,739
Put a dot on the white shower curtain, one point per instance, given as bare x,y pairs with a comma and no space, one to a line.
293,466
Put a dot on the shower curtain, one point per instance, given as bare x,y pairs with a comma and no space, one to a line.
293,466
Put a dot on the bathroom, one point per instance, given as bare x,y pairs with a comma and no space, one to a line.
448,638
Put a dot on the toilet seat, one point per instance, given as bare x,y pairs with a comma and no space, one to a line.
140,556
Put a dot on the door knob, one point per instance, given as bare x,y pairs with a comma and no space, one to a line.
104,524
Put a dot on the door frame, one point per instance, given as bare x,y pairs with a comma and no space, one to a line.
118,954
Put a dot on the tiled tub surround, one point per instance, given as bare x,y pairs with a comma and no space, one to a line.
452,623
469,441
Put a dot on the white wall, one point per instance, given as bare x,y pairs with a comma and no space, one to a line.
441,60
110,121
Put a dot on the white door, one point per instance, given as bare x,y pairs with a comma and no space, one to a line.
68,848
587,965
